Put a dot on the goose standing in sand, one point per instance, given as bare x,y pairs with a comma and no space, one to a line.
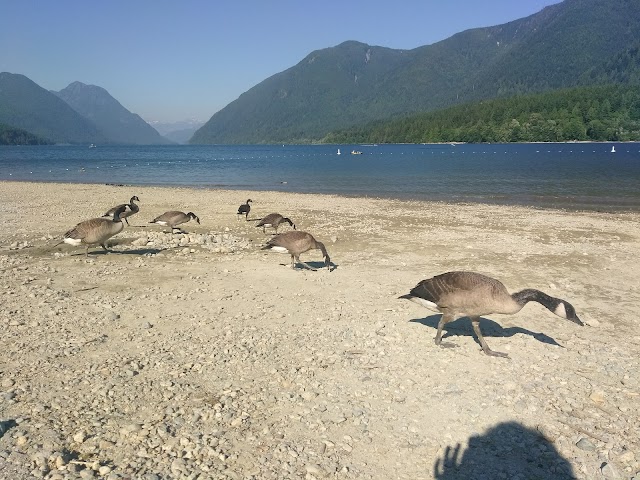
174,218
244,209
130,209
95,231
470,294
295,243
274,220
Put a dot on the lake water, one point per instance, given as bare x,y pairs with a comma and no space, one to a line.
574,176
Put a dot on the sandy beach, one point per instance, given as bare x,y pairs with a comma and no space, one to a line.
199,355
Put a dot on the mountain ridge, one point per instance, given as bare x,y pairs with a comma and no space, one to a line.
26,105
355,83
115,121
78,114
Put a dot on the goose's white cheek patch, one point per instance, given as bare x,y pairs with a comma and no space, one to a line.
560,311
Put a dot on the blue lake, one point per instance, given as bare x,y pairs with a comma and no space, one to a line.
575,176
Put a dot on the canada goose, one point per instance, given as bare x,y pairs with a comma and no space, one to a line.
295,243
244,209
95,231
274,220
174,218
130,209
470,294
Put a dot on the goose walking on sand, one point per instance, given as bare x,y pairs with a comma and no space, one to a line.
295,243
244,209
470,294
130,209
274,220
174,218
95,231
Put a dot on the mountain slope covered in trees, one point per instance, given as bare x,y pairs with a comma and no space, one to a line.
77,114
583,113
26,105
17,136
568,44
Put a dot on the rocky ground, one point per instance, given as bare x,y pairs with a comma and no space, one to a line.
198,355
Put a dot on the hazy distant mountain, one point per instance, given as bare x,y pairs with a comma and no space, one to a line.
182,136
116,122
26,105
179,132
564,45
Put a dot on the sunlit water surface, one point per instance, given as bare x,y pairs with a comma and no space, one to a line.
574,175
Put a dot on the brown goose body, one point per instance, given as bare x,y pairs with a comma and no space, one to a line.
95,231
296,243
274,220
129,209
174,218
471,294
244,209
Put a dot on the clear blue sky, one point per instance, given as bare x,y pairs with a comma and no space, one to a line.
173,60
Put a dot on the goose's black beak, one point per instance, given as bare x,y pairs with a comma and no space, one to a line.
575,319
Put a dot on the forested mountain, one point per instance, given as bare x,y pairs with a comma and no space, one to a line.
16,136
77,114
26,105
623,68
117,123
576,42
583,113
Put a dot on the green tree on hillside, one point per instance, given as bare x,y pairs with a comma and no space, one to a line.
601,113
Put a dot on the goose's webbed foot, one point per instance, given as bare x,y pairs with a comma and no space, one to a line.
438,341
493,353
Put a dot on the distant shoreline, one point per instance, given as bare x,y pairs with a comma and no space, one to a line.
568,142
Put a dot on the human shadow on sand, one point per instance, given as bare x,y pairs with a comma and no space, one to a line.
507,450
489,328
